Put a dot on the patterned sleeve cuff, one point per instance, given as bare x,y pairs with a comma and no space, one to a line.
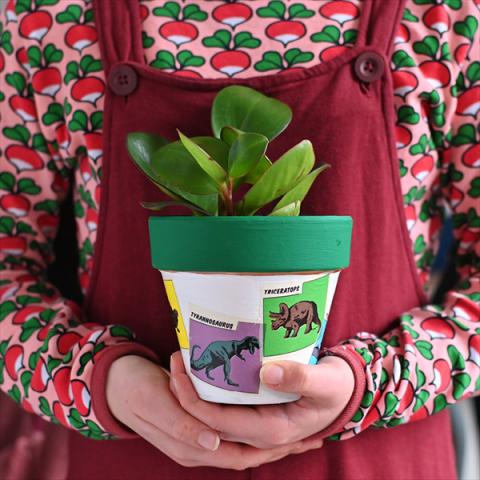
358,368
98,385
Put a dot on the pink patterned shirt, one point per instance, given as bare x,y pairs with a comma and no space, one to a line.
52,90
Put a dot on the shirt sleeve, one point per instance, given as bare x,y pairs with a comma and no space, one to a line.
432,358
52,361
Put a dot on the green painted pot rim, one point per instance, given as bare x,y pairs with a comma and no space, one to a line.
250,244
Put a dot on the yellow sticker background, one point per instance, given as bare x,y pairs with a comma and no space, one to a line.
172,299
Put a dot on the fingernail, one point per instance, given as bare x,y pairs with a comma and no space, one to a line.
208,440
272,374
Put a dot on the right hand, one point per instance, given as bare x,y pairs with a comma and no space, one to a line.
139,396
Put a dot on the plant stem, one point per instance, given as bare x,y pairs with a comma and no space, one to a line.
227,194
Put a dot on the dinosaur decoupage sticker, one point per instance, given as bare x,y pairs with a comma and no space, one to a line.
224,351
176,314
293,315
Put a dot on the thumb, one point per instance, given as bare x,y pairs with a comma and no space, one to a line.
294,377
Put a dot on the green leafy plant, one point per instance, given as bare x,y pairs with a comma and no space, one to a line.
204,173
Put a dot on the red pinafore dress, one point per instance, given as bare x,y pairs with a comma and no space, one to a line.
345,107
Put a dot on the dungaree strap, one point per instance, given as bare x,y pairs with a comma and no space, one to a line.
384,19
119,28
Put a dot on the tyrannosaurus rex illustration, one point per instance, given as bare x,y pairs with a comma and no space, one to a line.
220,353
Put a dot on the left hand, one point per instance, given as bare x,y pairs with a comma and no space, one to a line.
325,387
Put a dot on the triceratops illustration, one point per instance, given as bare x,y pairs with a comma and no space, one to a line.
301,313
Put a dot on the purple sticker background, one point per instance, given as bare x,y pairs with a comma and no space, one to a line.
245,373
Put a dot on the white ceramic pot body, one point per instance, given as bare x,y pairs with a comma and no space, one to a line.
229,325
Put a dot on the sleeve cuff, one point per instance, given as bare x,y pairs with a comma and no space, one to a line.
358,369
98,385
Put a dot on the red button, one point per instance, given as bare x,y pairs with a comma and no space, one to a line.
369,66
122,80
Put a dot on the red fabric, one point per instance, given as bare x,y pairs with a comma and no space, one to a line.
358,370
381,283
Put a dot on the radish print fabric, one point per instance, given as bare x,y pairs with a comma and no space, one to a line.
52,89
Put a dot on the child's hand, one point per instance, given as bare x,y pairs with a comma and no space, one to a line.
326,389
138,395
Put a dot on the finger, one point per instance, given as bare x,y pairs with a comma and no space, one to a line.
239,422
229,455
171,418
294,377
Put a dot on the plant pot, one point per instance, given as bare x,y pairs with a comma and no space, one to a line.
248,290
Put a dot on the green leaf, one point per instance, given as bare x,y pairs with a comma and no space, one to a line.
193,12
14,394
173,165
350,36
408,16
26,380
262,166
6,225
473,72
88,64
23,227
407,114
329,34
402,59
29,328
72,14
439,403
250,111
465,136
298,10
474,191
420,399
204,160
73,72
120,331
6,308
142,146
45,407
157,206
7,181
245,152
220,39
270,61
467,28
421,378
425,349
34,56
290,210
27,185
147,41
75,419
281,177
429,46
79,121
96,120
164,60
245,40
460,383
294,56
300,190
456,359
54,114
52,54
17,81
391,403
39,143
25,300
187,59
170,9
275,9
18,133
